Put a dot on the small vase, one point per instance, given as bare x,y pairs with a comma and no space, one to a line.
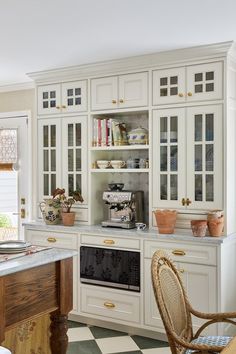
165,220
50,212
199,227
68,219
216,226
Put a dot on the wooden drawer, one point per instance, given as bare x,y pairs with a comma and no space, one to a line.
52,238
110,241
182,252
110,304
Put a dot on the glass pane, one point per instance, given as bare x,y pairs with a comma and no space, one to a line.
53,183
77,101
198,127
78,159
210,75
53,160
78,182
45,184
53,136
45,104
78,91
78,134
198,77
198,158
163,130
70,101
70,184
163,81
174,91
173,129
210,87
209,157
70,92
70,160
70,135
173,187
209,127
45,160
198,88
163,92
45,136
174,158
163,161
209,188
52,104
174,80
163,187
52,94
198,188
45,95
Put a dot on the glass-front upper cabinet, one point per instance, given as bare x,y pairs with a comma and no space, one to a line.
49,153
188,84
63,98
74,140
169,157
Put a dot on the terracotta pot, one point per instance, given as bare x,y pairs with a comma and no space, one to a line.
166,220
216,226
199,227
68,219
214,214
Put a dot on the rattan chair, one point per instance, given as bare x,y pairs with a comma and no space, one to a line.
176,311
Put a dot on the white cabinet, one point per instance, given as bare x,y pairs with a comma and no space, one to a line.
63,98
187,157
124,91
188,84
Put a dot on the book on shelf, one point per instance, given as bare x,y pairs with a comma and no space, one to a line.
102,132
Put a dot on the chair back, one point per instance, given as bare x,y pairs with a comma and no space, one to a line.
171,300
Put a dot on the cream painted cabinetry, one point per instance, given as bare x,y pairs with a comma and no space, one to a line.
188,84
68,97
122,91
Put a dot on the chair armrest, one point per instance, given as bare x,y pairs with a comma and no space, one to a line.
213,316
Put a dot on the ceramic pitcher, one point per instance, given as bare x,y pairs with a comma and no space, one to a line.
50,211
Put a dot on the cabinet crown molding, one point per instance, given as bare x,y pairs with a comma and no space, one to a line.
135,63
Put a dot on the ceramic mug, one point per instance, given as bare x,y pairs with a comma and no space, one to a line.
117,163
140,226
103,163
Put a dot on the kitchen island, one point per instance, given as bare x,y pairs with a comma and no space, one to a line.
36,285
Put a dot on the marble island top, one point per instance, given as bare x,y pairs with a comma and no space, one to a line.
34,260
146,234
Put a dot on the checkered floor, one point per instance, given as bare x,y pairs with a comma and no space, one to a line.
95,340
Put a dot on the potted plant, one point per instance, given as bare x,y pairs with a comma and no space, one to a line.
66,202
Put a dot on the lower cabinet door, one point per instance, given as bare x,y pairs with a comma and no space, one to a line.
108,303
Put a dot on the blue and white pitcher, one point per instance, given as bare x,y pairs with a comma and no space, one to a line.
51,212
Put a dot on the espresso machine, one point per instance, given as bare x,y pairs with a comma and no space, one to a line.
125,207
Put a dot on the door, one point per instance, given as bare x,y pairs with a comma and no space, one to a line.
133,90
49,99
104,93
15,183
74,96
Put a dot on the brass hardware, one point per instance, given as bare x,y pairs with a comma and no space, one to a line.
121,100
183,201
188,201
178,252
181,271
63,106
109,242
52,239
181,94
190,94
58,107
109,305
114,101
22,213
22,201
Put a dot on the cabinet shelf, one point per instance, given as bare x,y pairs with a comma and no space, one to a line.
119,170
122,147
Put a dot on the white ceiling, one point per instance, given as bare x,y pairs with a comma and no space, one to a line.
46,34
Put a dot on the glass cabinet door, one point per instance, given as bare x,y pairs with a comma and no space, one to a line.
49,157
168,158
74,96
74,137
49,99
204,157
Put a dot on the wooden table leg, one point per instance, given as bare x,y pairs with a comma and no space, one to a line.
59,338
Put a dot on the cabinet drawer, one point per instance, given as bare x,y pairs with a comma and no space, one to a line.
110,304
109,241
52,238
200,254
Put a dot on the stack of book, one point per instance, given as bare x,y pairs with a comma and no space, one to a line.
108,132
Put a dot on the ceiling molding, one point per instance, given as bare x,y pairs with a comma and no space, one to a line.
17,87
217,50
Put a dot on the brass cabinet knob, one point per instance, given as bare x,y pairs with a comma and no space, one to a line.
52,239
181,271
188,202
109,305
178,253
190,94
109,242
121,100
63,106
114,101
58,107
183,201
181,94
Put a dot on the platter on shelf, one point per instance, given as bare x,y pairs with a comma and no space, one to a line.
13,246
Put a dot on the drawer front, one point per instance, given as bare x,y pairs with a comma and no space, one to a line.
200,254
110,304
109,241
52,238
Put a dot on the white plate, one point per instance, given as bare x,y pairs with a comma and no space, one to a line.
13,246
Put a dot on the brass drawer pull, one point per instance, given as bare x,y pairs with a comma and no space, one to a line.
51,239
109,305
109,242
179,253
181,271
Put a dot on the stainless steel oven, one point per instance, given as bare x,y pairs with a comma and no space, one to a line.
109,267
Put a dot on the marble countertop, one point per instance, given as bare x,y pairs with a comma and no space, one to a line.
34,260
151,234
